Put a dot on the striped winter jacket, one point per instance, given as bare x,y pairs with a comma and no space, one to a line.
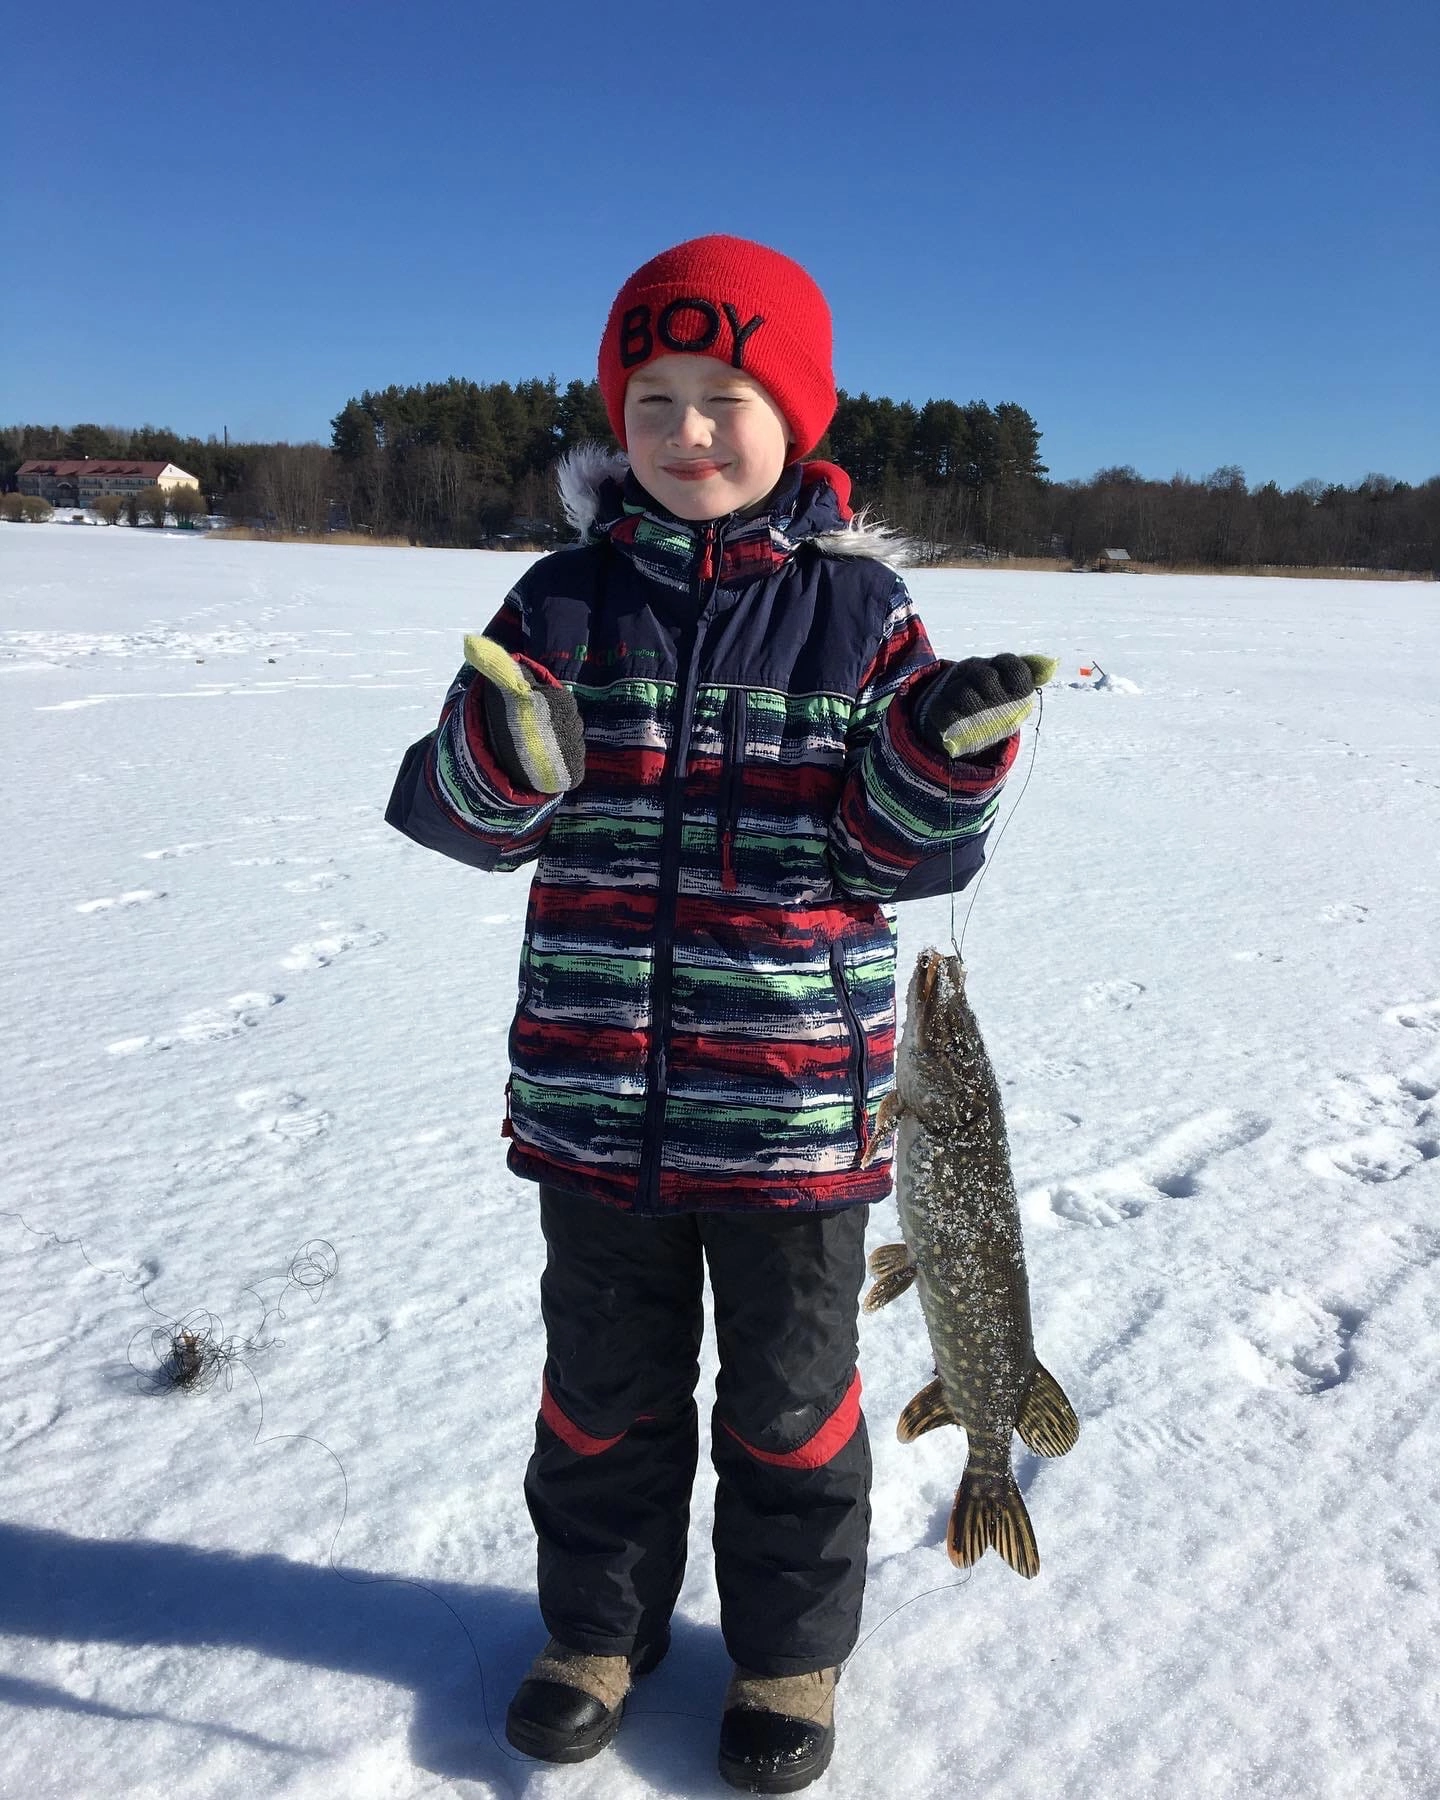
706,1014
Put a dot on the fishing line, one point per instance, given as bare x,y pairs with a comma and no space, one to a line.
52,1240
959,947
945,1587
303,1437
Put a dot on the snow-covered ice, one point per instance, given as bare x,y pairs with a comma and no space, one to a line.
241,1014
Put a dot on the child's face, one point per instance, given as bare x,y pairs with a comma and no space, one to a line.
704,439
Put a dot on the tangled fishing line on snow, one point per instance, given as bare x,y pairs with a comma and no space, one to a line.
191,1354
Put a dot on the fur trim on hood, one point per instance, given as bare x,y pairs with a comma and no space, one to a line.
865,536
579,478
584,470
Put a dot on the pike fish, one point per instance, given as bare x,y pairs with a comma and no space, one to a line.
964,1254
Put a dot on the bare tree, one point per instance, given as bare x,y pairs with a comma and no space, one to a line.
293,483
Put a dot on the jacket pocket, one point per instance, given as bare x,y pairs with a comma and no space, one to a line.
859,1051
732,780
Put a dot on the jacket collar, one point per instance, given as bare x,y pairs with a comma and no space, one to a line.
810,505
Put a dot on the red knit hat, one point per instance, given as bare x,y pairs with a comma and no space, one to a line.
740,303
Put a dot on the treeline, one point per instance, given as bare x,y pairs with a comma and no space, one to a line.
289,485
1220,522
463,462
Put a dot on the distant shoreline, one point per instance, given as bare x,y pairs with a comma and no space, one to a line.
1059,565
1014,565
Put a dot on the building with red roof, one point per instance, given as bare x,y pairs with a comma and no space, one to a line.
80,482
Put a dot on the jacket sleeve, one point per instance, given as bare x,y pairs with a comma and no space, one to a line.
911,822
451,795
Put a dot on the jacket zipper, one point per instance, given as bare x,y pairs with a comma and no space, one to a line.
707,581
729,804
860,1053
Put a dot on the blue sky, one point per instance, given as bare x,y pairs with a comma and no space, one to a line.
1180,236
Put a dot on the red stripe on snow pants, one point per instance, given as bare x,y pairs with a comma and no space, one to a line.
616,1444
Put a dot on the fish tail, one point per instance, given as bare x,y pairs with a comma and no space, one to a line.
989,1514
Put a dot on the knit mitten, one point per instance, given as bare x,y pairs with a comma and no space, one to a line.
973,704
534,727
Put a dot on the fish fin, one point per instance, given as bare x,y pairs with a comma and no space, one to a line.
990,1514
928,1409
887,1117
1047,1421
893,1269
888,1287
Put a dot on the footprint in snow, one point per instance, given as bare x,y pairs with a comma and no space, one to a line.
315,883
1393,1122
1039,1120
171,851
1365,1102
213,1023
1111,996
279,1122
1416,1015
210,1025
1344,912
22,1419
270,862
1160,1440
320,952
1380,1156
1048,1068
1170,1169
1296,1343
283,1114
135,897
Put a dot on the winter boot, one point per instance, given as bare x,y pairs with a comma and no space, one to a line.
778,1731
570,1703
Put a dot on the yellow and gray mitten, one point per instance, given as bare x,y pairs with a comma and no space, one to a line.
972,705
534,726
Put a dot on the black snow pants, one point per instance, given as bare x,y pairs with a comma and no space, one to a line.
616,1442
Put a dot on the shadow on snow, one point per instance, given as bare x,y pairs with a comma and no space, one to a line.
141,1593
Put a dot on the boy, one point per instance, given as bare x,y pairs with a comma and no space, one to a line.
717,727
